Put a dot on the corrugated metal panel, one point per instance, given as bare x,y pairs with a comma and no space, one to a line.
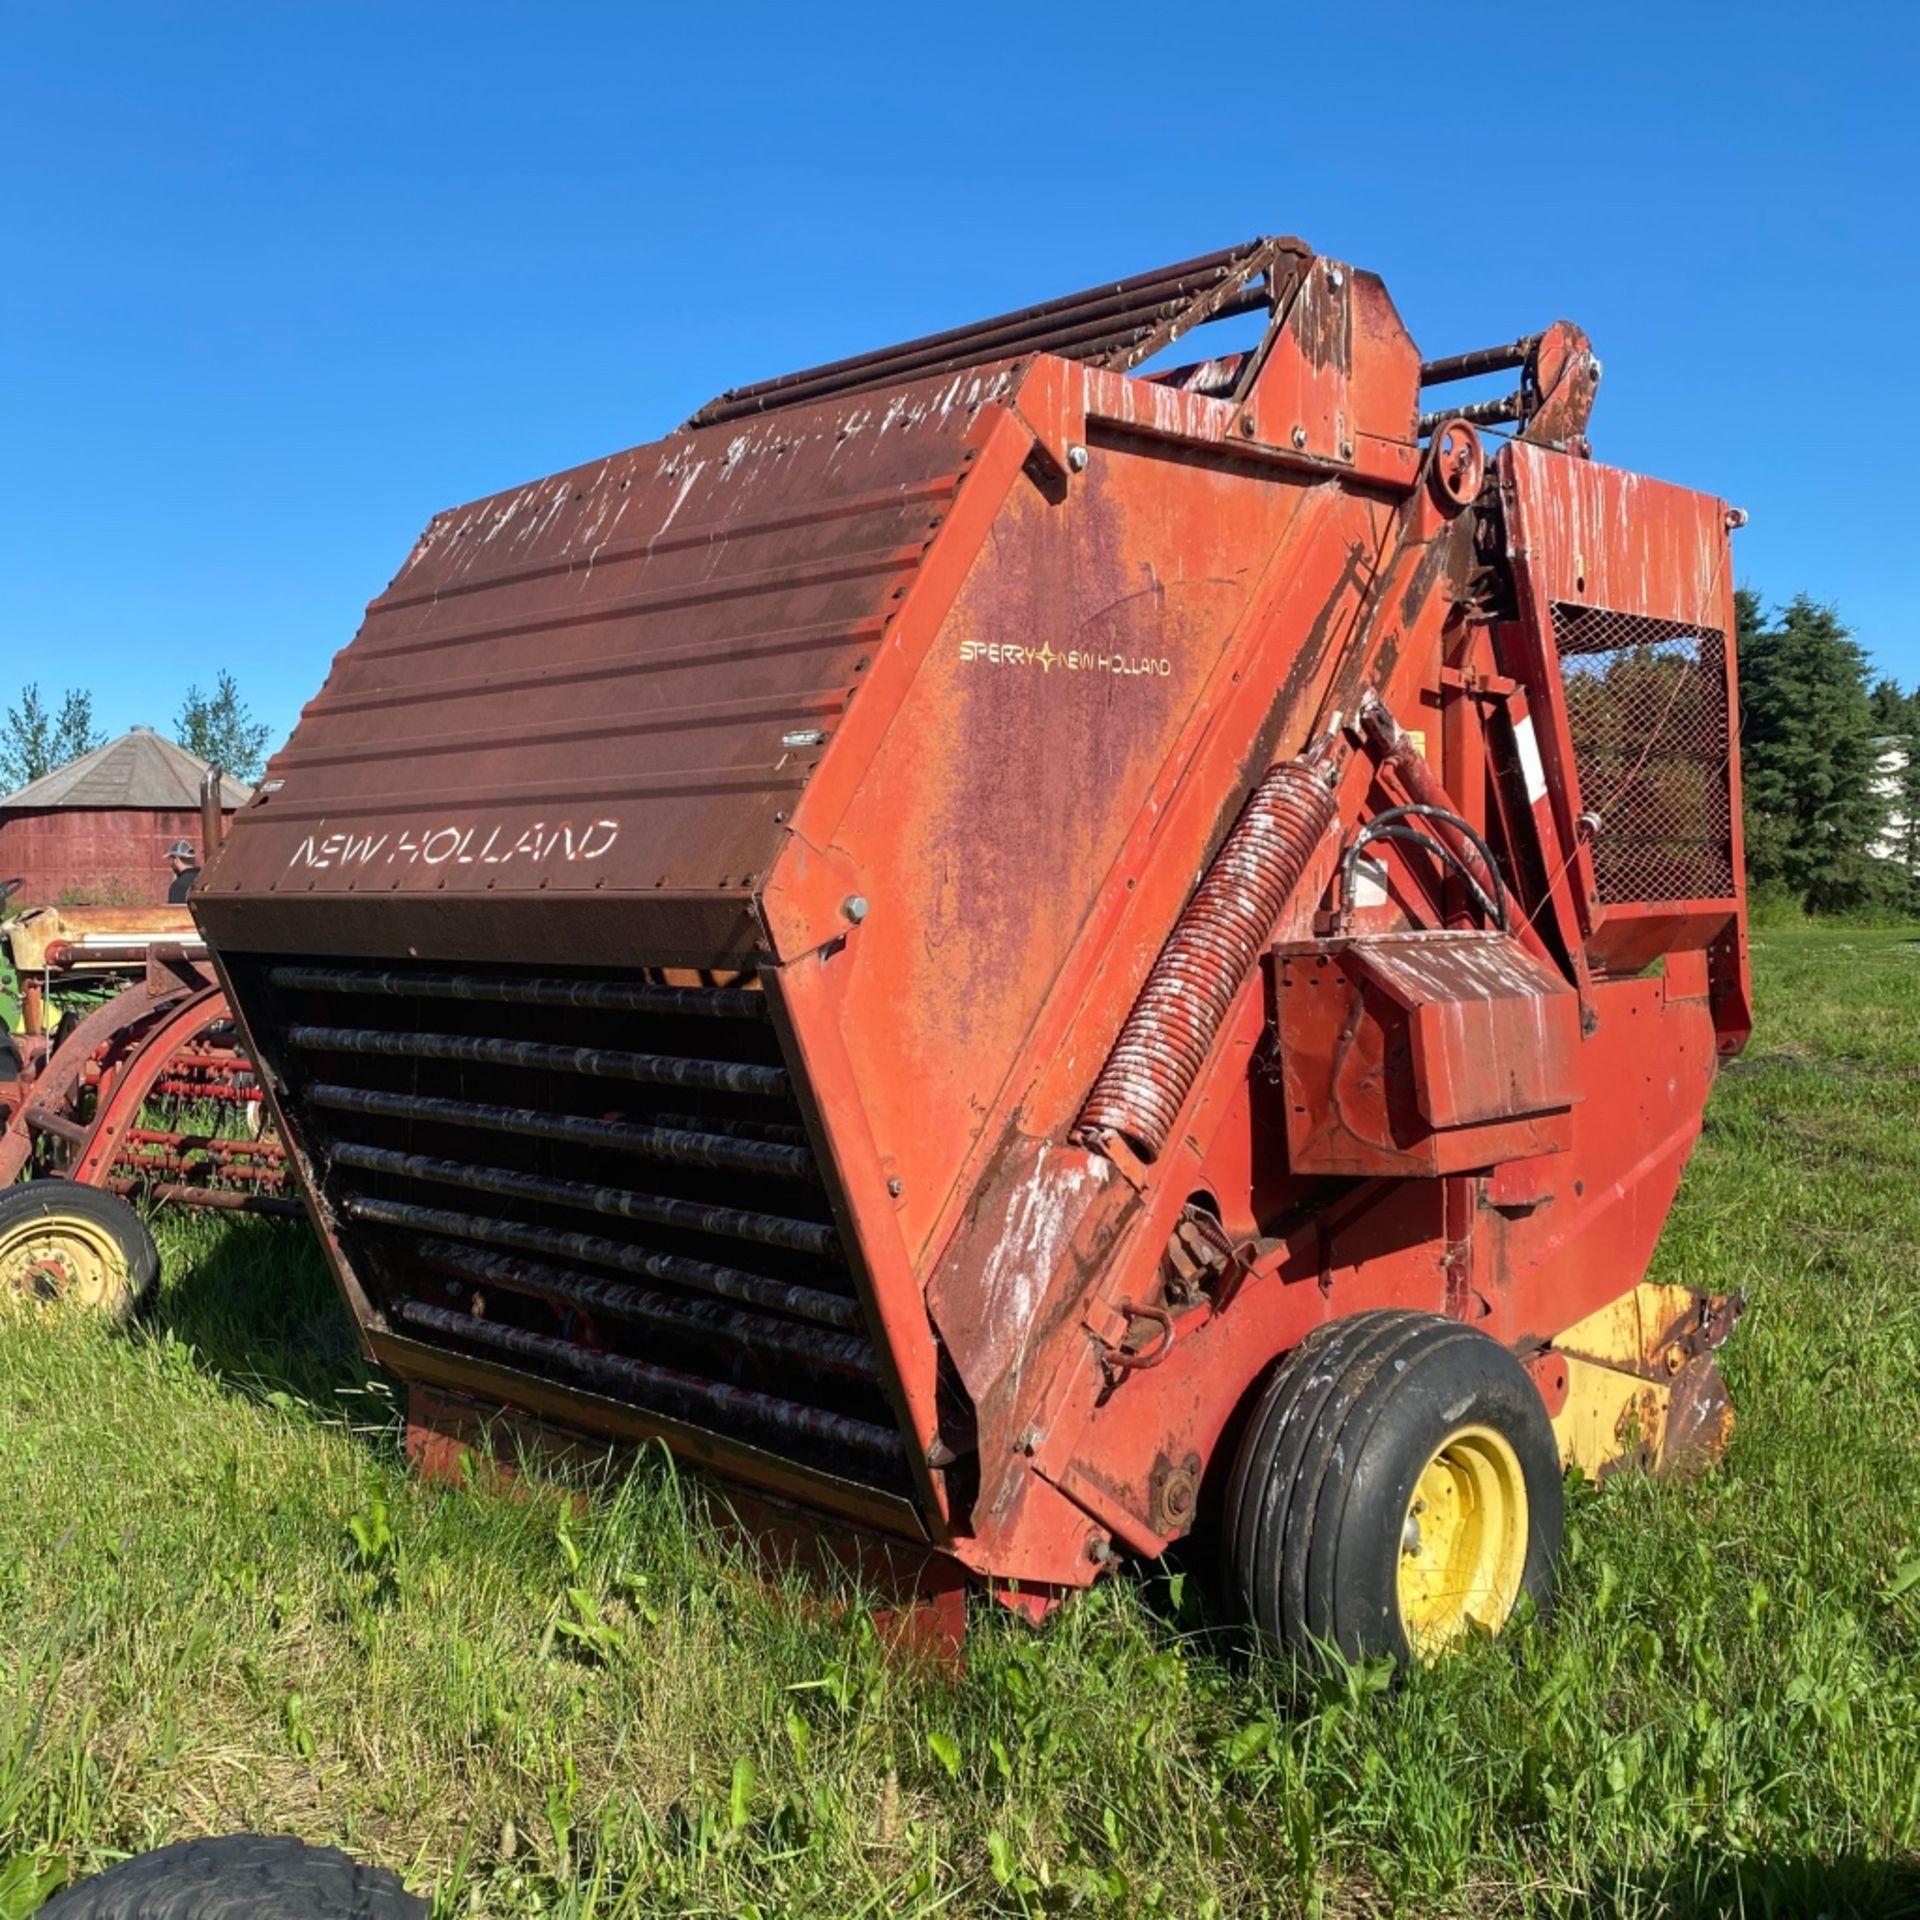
617,678
105,856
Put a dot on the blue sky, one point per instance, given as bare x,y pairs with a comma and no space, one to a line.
281,280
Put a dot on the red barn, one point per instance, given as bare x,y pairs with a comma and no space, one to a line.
97,830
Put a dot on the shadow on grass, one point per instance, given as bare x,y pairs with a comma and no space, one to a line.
1845,1887
254,1300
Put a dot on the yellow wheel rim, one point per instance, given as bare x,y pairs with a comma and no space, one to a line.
61,1256
1463,1542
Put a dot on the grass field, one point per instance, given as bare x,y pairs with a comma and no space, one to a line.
224,1603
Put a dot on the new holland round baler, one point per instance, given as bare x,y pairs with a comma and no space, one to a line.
1020,956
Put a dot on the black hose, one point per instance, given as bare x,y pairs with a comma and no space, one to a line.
1390,825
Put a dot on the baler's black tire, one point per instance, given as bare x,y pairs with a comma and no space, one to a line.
60,1236
242,1876
1398,1484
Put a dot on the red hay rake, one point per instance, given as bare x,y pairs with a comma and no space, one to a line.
149,1096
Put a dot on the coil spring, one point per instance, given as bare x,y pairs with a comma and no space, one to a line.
1178,1016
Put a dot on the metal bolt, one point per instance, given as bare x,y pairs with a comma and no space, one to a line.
1336,279
1099,1549
854,906
1247,425
896,1187
1346,449
1299,436
1077,458
1030,1440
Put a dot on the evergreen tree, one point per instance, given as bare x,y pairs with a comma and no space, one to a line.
1807,755
219,727
1892,710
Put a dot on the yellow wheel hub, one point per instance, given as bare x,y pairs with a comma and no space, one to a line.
64,1257
1463,1544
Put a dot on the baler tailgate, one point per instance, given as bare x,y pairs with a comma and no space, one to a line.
599,1181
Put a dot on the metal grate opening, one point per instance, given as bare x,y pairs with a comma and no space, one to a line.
602,1181
1646,705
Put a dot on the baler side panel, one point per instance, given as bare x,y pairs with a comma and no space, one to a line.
1549,1254
993,814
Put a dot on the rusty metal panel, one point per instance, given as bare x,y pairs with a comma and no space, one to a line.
1591,535
617,680
1494,1033
989,823
1423,1053
115,856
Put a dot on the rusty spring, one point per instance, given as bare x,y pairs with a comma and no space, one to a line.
1179,1013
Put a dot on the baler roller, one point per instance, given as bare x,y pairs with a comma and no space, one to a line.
699,1276
776,1132
1504,358
660,1384
701,1142
752,1333
691,1216
720,1076
593,996
1482,413
1178,1016
1119,324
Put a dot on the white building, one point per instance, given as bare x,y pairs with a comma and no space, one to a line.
1898,840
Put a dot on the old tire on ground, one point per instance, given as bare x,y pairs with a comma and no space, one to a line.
62,1240
1397,1488
260,1876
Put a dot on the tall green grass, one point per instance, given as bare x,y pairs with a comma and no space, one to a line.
224,1602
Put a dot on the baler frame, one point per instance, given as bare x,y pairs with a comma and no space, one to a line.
1059,1137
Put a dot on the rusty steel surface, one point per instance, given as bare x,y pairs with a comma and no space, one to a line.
790,939
1422,1053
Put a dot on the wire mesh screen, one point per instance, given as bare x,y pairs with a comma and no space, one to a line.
1647,709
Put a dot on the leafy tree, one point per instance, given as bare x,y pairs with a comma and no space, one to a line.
220,727
1807,755
34,742
26,743
73,730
